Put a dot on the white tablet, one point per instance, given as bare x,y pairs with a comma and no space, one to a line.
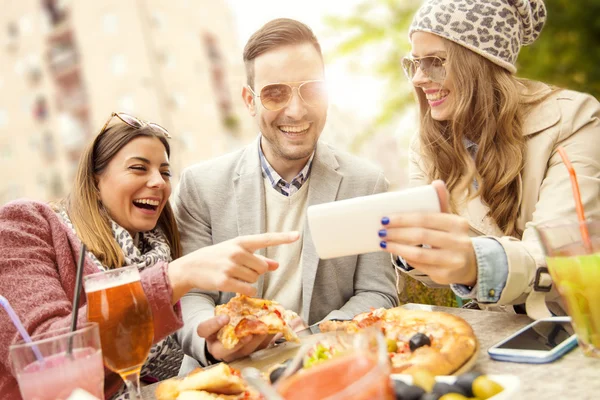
348,227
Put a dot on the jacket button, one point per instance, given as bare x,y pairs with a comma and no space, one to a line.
492,292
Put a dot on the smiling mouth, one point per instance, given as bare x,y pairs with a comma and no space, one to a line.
146,204
294,130
437,96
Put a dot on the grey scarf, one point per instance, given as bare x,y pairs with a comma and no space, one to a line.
151,248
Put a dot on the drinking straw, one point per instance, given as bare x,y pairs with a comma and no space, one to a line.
585,235
17,323
76,296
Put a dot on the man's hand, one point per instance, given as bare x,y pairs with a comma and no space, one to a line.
247,345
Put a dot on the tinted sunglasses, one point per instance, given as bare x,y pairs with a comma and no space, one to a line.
276,96
432,66
136,123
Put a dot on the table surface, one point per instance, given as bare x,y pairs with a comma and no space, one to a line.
573,376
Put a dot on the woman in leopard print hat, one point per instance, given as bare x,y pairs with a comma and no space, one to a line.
119,207
492,138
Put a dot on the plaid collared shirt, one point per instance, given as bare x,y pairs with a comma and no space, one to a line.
278,183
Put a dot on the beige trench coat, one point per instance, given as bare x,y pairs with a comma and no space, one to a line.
566,118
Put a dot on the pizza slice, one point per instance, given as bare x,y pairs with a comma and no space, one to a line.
219,382
253,316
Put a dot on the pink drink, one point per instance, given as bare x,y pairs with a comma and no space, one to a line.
61,375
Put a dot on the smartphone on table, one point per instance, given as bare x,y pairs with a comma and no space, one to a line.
542,341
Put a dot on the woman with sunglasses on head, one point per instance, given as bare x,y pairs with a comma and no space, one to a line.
492,138
119,208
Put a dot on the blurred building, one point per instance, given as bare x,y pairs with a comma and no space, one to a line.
66,65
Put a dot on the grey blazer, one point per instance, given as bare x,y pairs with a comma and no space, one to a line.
221,199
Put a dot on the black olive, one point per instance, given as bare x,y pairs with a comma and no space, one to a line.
418,340
277,372
465,381
405,391
431,396
442,388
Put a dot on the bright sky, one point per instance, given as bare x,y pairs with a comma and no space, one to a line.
347,90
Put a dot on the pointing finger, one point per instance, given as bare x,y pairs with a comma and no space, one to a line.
255,242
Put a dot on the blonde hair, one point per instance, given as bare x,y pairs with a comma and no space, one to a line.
489,110
89,217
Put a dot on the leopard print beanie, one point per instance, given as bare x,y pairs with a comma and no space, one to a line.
495,29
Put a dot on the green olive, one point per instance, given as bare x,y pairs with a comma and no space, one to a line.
453,396
423,378
484,387
392,346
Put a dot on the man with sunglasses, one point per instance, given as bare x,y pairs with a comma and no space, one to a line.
268,186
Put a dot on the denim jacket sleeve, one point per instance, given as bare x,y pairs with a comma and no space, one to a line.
492,272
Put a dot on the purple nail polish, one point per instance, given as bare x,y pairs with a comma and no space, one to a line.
383,244
385,221
382,233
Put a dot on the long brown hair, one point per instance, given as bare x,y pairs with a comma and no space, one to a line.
89,217
490,110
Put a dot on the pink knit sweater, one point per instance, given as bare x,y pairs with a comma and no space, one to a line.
38,256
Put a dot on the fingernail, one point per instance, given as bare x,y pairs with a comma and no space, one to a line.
222,319
385,221
383,244
382,233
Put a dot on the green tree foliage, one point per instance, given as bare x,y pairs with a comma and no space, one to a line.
567,53
379,26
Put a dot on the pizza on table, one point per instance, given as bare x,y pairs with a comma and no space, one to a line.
436,341
421,343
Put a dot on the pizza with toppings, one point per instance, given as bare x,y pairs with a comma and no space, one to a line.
436,341
218,383
253,316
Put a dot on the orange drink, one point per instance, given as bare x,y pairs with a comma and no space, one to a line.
116,301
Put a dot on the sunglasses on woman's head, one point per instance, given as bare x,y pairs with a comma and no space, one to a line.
432,66
136,123
276,96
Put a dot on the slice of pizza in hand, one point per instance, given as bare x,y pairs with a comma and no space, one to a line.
253,316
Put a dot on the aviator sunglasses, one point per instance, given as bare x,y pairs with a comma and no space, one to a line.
136,123
276,96
432,66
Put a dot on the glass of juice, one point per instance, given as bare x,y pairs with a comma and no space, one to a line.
339,366
575,270
60,373
116,301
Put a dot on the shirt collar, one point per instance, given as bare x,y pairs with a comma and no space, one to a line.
276,180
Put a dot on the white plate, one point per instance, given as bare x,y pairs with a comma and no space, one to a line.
510,383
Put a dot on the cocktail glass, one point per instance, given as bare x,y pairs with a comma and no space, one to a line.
575,270
60,373
359,368
116,301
